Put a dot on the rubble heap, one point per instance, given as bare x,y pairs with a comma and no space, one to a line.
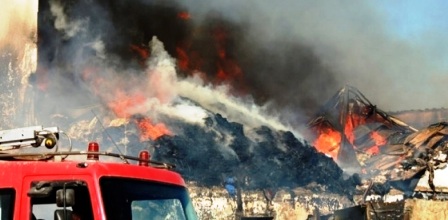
262,159
276,173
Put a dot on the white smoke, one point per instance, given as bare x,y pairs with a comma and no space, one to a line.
164,94
218,100
163,87
99,48
161,73
69,27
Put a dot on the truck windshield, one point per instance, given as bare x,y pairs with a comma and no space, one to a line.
135,199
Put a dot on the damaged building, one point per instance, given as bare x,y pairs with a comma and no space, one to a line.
401,167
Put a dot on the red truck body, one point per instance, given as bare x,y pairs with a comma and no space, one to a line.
32,186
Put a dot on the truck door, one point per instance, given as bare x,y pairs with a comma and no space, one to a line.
59,199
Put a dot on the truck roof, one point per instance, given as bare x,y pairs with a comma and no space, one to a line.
16,162
13,171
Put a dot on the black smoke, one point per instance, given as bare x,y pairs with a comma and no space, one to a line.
281,72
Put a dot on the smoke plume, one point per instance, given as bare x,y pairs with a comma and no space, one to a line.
337,43
288,57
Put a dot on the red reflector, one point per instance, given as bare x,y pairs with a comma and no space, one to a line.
93,147
144,158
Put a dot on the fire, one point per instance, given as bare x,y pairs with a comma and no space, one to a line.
217,65
228,68
127,102
379,141
328,142
190,62
148,130
142,52
183,60
123,105
353,121
184,15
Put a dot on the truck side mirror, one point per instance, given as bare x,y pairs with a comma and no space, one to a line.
40,189
65,197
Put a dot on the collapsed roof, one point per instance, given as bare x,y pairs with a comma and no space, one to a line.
362,138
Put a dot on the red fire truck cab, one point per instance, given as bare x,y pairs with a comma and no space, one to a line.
46,185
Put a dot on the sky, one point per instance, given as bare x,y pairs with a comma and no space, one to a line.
411,19
424,27
420,23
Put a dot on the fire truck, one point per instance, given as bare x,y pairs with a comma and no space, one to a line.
40,180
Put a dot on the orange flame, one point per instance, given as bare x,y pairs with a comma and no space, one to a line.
184,15
379,141
148,130
328,142
228,68
122,106
353,121
222,64
123,103
183,60
142,52
188,60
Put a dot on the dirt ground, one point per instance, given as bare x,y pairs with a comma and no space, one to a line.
419,209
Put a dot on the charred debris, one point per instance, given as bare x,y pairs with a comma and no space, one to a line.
259,161
256,158
396,162
263,159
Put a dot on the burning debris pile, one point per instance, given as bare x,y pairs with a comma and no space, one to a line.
261,158
384,150
263,162
272,172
